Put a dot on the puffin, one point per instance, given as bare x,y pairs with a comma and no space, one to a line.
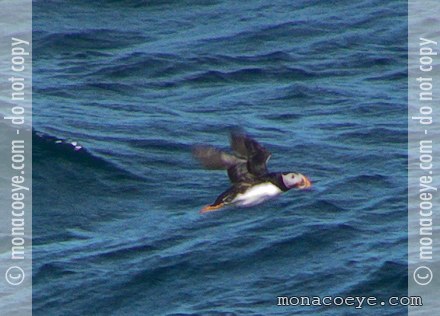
246,167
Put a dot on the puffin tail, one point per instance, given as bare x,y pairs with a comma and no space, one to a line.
211,208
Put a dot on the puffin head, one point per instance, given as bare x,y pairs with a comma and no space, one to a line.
295,180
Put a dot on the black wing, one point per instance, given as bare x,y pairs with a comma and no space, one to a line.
213,158
249,149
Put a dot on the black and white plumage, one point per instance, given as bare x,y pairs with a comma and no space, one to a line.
247,170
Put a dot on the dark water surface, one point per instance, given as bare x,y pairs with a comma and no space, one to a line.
322,84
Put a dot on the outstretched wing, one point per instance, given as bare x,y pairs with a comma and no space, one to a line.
213,158
249,149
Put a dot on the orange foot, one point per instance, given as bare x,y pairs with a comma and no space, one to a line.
211,208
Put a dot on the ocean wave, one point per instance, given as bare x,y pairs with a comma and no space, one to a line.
388,279
61,147
90,39
48,147
376,135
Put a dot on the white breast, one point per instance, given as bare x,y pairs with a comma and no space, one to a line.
257,194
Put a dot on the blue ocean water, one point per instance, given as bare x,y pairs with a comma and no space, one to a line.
116,228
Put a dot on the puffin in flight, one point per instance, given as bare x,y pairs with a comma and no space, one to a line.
252,184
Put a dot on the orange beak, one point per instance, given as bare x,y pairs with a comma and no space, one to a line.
305,184
211,208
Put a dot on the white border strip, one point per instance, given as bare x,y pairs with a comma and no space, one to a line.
424,154
16,157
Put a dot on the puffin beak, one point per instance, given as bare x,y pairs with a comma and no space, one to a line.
211,208
305,184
